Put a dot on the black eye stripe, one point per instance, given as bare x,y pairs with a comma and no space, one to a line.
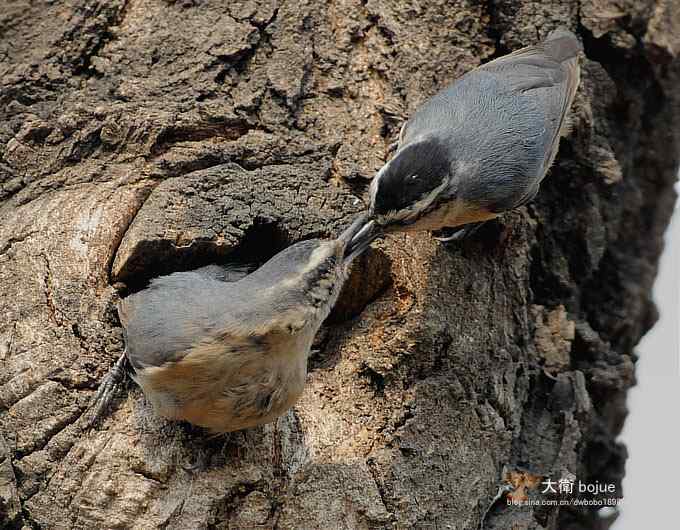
326,266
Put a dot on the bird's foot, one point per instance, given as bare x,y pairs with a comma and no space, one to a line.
108,389
458,234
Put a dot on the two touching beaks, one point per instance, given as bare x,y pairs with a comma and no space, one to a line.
359,236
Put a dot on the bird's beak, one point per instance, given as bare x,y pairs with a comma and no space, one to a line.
359,236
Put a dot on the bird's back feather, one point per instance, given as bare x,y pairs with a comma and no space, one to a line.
164,321
505,118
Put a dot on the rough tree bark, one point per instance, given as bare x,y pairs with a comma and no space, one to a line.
139,137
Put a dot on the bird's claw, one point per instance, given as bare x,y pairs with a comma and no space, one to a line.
460,234
108,388
456,236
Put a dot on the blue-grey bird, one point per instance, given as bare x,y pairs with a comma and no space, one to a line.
228,350
482,145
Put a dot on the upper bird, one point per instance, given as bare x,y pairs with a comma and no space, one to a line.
228,350
482,145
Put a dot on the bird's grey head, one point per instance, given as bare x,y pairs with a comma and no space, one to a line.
302,282
409,184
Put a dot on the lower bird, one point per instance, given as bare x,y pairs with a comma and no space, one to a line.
482,145
228,355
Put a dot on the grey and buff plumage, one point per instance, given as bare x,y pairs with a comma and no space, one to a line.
231,355
482,145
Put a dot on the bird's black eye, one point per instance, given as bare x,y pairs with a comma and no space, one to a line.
326,266
330,263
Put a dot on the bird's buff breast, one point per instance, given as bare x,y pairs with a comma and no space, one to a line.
226,390
449,215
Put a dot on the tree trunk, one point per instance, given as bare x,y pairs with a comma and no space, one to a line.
139,137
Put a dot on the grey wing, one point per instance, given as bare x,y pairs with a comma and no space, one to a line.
164,321
547,76
225,273
549,73
541,65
